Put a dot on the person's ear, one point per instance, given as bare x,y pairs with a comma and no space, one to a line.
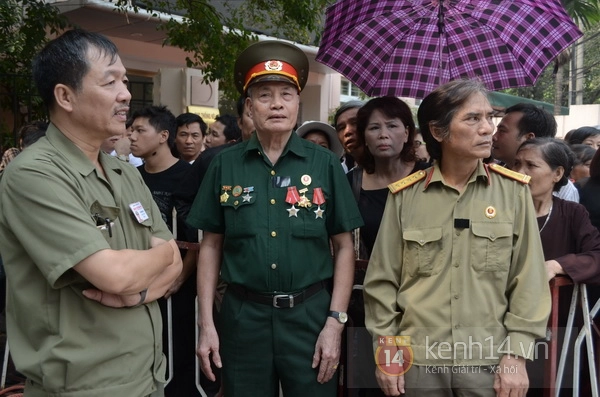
558,174
248,107
164,136
436,132
528,136
64,97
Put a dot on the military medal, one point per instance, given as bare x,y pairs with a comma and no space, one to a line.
292,198
304,201
318,199
225,196
236,191
306,179
490,212
247,190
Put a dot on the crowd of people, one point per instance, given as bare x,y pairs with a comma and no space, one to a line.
463,224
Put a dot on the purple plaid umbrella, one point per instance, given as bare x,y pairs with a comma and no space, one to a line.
408,47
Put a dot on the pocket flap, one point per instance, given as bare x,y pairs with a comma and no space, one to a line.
237,202
491,231
423,236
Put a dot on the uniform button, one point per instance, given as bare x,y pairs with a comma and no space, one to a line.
272,172
492,235
273,234
421,242
456,265
456,296
236,202
273,266
272,201
457,232
456,326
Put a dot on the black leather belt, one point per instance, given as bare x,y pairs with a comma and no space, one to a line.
279,300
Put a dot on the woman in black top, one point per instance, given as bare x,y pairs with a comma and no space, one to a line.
386,130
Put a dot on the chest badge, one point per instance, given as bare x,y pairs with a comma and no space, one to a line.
306,179
304,201
490,212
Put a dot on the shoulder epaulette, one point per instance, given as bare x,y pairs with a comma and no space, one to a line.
517,176
406,182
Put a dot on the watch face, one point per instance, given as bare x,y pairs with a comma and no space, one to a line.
343,317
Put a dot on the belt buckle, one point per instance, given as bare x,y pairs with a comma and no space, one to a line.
290,297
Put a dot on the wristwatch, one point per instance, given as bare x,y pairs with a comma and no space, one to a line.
342,317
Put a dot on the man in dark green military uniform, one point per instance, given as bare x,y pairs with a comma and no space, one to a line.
269,208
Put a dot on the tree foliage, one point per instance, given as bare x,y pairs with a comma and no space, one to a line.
553,85
214,37
24,25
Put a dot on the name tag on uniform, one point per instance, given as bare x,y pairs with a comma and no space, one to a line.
139,211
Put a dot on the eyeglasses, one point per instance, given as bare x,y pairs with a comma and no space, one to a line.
419,143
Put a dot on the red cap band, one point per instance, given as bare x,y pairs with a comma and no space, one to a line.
272,67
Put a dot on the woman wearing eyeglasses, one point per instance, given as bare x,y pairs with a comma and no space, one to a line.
420,148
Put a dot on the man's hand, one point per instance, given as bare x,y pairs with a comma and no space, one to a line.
189,266
511,377
112,300
328,350
390,385
208,345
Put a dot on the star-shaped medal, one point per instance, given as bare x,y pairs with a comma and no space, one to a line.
293,211
246,197
318,212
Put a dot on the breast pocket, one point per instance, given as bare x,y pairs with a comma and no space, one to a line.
492,246
105,217
309,223
240,216
421,246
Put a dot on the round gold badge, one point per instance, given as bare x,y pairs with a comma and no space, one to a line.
490,212
236,191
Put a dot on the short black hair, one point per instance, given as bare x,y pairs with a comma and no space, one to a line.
189,118
581,134
64,60
583,153
31,132
232,131
535,119
161,119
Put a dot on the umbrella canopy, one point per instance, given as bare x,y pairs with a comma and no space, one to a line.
409,47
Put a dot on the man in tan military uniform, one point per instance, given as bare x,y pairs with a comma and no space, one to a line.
457,266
